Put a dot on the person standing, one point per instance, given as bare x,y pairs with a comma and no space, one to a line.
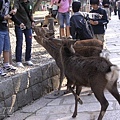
98,25
5,15
64,17
106,6
23,12
118,7
115,7
79,29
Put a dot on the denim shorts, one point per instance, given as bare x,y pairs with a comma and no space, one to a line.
4,41
64,18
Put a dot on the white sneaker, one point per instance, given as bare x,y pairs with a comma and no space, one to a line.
2,72
10,68
19,64
29,63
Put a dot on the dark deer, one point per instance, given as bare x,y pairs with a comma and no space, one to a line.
52,45
95,72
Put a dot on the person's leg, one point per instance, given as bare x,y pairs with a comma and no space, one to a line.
61,23
119,14
28,39
6,53
6,48
67,22
101,37
19,42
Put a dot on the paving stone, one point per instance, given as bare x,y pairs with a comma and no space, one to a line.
86,107
80,116
33,117
18,116
53,110
38,104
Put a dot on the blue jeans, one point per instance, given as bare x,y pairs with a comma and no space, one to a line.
64,18
4,41
19,41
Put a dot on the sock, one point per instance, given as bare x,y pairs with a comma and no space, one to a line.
6,64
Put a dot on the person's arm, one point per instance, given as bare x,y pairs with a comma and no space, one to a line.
1,16
104,19
72,29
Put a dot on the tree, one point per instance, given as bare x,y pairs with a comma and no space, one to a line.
37,3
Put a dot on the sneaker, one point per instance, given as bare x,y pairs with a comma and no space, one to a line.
29,63
19,64
2,72
9,68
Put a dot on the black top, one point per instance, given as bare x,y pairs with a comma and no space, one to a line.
106,3
3,23
99,29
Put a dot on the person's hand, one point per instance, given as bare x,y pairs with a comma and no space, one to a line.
33,24
6,17
93,22
22,26
13,11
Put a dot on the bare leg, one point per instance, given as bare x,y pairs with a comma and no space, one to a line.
10,57
67,31
6,56
62,32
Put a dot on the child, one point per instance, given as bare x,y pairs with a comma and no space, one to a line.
98,25
78,25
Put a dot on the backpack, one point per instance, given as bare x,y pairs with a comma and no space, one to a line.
87,32
5,8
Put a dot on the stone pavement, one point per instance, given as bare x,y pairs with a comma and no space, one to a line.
61,108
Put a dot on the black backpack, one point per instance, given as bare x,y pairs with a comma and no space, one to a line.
87,32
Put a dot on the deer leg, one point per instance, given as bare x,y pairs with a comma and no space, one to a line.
77,98
60,84
114,91
98,91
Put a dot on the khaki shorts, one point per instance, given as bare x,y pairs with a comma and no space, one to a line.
100,37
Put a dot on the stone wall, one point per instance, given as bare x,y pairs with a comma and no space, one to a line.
21,89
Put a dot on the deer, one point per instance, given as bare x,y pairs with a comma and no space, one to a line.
45,38
95,72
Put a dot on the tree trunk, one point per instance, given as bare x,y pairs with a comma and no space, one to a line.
36,6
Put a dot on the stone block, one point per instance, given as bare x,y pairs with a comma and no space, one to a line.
55,69
21,82
6,89
2,110
11,104
46,86
45,71
24,97
55,82
37,91
35,76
